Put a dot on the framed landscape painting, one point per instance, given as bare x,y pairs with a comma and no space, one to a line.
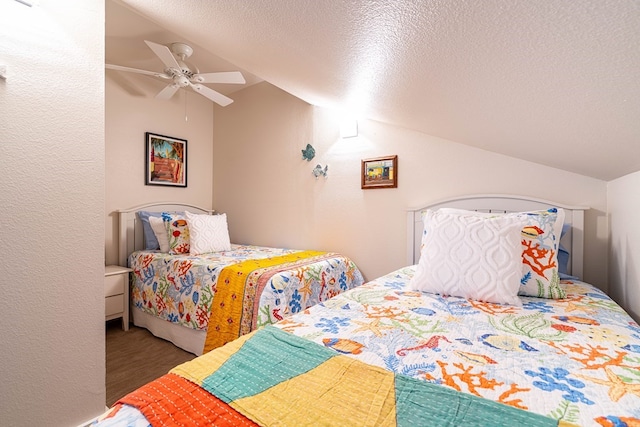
166,160
380,172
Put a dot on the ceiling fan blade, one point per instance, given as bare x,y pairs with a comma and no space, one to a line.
164,53
234,77
216,97
135,70
168,91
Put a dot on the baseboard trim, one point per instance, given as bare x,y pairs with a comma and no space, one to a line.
91,421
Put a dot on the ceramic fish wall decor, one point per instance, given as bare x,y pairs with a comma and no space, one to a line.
308,153
320,171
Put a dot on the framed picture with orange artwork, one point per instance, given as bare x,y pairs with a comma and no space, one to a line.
166,160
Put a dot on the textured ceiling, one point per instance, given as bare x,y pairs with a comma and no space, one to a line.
555,82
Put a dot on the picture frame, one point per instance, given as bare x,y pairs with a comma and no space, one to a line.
380,172
165,161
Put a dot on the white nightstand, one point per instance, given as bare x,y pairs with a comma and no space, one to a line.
116,293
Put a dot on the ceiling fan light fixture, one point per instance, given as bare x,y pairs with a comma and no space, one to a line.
182,74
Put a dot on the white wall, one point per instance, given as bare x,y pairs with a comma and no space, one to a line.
623,201
51,204
127,118
271,197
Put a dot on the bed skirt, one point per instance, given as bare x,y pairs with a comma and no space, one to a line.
191,340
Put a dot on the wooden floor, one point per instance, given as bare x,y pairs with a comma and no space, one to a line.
136,357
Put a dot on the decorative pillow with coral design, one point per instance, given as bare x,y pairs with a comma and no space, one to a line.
178,233
540,244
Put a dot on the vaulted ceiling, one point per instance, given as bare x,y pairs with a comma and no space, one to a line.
555,82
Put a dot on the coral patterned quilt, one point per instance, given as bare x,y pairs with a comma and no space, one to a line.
182,289
575,361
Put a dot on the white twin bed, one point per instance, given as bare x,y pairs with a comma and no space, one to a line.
177,296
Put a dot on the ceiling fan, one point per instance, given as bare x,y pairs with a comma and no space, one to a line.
180,75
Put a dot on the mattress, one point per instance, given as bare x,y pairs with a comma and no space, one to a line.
571,361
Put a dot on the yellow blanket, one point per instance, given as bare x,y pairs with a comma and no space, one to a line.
236,292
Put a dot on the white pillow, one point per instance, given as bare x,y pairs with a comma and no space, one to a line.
540,246
209,233
160,230
471,256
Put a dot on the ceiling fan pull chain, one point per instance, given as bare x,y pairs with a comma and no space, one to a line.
186,119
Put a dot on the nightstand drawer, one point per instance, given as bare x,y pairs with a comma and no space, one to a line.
115,285
114,305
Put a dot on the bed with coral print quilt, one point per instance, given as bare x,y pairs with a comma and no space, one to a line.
185,290
572,361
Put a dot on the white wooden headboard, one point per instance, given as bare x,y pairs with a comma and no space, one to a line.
573,240
130,233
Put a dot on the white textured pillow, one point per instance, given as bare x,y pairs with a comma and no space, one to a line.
209,233
471,257
540,246
160,230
